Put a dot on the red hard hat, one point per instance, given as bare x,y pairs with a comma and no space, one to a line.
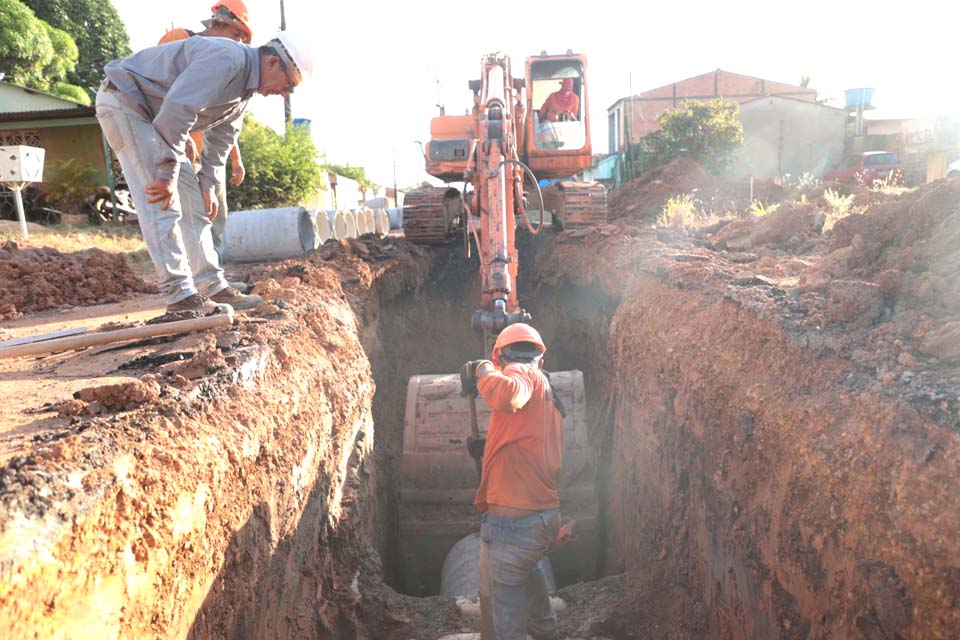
240,14
518,332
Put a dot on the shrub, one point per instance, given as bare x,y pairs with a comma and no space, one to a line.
68,182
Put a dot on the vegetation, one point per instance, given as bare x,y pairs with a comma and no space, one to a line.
707,132
282,170
354,173
679,211
757,208
35,54
68,182
97,29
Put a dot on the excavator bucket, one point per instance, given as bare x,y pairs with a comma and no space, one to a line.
438,479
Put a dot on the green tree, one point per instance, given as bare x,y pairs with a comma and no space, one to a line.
354,173
35,54
707,132
97,29
281,170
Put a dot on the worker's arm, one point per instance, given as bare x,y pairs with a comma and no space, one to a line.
507,391
200,84
237,170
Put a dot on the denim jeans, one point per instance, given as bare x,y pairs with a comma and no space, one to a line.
178,238
513,590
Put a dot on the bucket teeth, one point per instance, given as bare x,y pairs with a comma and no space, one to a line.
577,204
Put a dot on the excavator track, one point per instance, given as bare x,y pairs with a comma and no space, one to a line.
576,204
432,215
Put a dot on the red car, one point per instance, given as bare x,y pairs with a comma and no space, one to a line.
867,168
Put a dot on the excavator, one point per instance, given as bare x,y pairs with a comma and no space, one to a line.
499,152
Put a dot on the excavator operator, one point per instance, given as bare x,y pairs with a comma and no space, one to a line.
561,105
518,493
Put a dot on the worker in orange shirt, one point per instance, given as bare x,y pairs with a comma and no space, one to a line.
561,105
518,488
230,20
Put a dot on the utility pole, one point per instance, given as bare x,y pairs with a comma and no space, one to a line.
287,114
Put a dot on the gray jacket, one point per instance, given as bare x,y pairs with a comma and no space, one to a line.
188,85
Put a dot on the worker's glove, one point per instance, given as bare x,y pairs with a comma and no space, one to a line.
475,446
468,377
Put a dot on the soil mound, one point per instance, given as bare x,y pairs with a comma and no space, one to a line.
37,279
644,198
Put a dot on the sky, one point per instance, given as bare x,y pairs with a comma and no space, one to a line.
382,67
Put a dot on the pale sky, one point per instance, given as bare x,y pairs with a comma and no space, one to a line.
378,63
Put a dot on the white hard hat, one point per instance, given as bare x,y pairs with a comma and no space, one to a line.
296,53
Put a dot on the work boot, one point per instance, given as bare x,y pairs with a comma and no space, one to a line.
242,287
197,302
236,299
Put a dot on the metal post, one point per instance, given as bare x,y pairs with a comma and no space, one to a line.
20,214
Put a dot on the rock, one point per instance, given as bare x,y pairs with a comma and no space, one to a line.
69,408
228,339
854,302
943,342
124,395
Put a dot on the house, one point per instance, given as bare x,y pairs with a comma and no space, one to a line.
925,145
786,131
635,116
65,129
786,136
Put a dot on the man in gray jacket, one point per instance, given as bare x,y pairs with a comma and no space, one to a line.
148,105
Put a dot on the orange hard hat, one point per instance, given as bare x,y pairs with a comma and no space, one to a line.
238,12
518,332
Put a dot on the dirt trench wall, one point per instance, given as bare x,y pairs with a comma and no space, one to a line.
754,490
240,507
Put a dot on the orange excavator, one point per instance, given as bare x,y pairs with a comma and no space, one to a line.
499,152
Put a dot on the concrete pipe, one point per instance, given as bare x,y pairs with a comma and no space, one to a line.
395,214
382,222
350,219
321,227
361,221
460,575
338,225
370,221
268,234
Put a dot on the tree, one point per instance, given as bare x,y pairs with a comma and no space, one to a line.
281,170
99,33
707,132
35,54
354,173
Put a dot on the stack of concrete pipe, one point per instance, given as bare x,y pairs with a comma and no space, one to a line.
276,234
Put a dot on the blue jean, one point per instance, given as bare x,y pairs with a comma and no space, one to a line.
178,238
513,590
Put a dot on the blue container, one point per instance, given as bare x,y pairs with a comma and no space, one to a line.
858,97
302,122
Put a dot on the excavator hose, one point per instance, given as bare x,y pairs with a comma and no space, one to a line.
533,179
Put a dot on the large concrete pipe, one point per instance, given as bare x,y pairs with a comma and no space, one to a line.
338,225
460,576
321,227
395,214
268,234
350,219
361,221
370,221
381,222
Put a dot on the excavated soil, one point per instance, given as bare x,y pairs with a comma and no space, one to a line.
35,279
775,408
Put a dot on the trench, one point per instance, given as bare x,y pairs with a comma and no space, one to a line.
745,487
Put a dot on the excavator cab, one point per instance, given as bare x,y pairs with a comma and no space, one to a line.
557,133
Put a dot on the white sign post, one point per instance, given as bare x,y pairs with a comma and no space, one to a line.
19,166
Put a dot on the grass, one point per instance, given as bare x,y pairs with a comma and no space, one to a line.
679,211
68,238
838,207
757,208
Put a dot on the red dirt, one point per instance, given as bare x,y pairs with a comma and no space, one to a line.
782,426
36,279
643,198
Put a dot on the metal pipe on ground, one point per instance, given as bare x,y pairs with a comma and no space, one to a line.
268,234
